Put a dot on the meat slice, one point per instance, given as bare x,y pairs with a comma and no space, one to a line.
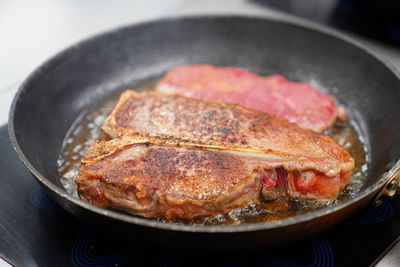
298,102
219,125
152,178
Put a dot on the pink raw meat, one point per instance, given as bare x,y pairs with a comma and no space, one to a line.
298,102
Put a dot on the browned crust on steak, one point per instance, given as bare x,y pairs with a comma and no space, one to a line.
214,124
168,182
182,182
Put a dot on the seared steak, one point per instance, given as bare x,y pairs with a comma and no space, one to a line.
219,125
179,157
173,181
298,102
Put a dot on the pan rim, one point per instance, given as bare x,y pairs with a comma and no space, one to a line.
135,220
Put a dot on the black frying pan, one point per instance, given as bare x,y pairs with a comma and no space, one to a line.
52,97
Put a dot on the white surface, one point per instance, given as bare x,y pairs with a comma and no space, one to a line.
3,263
33,30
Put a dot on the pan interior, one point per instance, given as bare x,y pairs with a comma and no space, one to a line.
75,80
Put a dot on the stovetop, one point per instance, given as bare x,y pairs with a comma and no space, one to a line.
36,232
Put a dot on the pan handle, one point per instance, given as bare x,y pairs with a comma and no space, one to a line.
390,187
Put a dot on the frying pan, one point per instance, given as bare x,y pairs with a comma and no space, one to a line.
70,83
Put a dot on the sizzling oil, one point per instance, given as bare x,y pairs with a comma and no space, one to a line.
86,129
